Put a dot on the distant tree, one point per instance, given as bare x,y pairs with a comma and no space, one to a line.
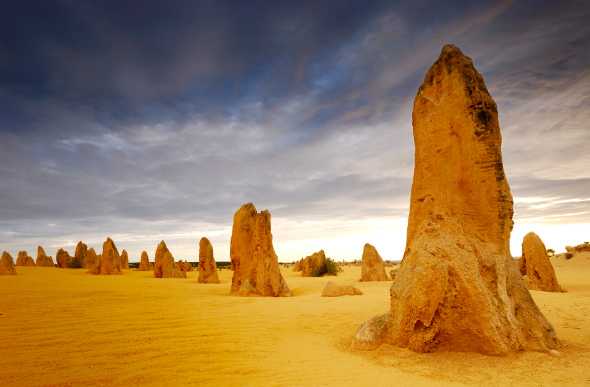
550,252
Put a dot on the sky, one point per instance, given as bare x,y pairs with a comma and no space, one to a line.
145,120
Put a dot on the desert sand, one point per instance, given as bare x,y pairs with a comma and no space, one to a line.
67,327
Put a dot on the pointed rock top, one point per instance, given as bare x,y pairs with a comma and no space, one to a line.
450,48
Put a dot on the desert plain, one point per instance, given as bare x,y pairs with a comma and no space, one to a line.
65,327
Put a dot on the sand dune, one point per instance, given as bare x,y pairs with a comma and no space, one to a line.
66,327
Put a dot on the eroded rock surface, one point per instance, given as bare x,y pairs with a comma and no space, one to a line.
62,258
81,253
109,262
7,266
144,264
372,266
535,264
124,260
23,259
164,264
253,258
333,290
207,267
313,264
298,264
458,287
91,258
42,259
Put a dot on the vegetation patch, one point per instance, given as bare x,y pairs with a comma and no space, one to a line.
330,268
75,263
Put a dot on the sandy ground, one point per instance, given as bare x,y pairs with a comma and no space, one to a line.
66,327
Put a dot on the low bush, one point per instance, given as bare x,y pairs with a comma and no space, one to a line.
333,267
568,255
330,268
75,263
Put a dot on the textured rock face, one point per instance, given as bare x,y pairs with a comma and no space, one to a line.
63,258
81,253
187,266
313,264
109,262
535,264
297,266
372,266
164,265
393,273
182,268
207,267
7,265
23,259
91,258
253,258
42,259
529,283
144,264
333,290
124,260
458,287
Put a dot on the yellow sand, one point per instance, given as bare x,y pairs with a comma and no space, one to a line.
65,327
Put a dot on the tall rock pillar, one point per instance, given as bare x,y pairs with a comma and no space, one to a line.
458,287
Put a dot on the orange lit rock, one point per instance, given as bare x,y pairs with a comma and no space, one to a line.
297,266
187,266
164,265
81,253
313,264
372,266
124,260
42,259
253,258
144,264
7,265
458,287
63,258
23,259
207,267
91,258
109,262
182,268
333,290
535,264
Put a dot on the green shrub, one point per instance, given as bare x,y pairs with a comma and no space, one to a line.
330,268
75,263
569,255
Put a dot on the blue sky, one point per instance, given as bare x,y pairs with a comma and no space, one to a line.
151,120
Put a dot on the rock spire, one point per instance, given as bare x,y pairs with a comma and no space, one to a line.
535,264
207,267
253,258
458,287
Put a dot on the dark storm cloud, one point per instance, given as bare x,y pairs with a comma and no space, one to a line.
145,119
138,61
